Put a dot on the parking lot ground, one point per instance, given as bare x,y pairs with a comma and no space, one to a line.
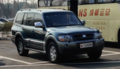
10,59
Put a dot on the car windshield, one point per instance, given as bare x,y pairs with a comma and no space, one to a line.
56,19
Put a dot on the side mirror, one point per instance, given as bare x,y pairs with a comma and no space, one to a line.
83,22
38,24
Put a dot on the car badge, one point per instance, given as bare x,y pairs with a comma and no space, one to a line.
84,36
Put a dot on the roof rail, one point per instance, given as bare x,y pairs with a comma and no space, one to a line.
58,8
26,9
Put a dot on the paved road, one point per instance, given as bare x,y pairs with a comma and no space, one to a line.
9,59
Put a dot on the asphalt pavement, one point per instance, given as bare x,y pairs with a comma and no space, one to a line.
9,59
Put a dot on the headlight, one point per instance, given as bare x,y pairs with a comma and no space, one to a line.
97,35
65,38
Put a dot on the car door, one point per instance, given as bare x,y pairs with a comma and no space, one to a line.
17,27
39,33
28,28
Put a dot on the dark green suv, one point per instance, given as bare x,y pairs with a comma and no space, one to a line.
55,32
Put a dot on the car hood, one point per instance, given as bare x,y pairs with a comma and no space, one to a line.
70,29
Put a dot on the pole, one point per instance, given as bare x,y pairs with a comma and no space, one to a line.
74,6
50,2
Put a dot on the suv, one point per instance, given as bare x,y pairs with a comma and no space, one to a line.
55,32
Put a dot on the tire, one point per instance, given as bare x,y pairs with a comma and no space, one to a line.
53,53
95,55
20,48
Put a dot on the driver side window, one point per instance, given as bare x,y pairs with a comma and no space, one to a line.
38,18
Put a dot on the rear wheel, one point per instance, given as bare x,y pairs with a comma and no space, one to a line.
20,48
53,53
94,55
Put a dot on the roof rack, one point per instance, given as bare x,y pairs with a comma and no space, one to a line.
26,9
58,8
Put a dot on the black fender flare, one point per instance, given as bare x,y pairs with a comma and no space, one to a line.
50,37
18,34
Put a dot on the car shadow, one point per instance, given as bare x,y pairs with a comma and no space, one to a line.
93,65
38,56
85,62
79,61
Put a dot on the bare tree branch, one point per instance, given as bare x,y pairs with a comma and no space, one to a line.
45,2
58,2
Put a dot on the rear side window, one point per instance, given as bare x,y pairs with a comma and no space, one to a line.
25,17
19,18
29,20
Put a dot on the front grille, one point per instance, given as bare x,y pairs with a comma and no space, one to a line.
81,37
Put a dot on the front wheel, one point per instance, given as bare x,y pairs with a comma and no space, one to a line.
53,52
20,48
94,55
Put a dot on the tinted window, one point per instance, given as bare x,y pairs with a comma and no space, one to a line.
61,19
38,18
29,20
104,1
19,18
96,1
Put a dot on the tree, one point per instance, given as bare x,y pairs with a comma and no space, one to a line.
58,2
33,4
51,1
3,8
45,2
8,8
6,28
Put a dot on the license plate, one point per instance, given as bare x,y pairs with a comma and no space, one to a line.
86,45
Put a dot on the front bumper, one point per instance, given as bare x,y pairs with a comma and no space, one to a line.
74,47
